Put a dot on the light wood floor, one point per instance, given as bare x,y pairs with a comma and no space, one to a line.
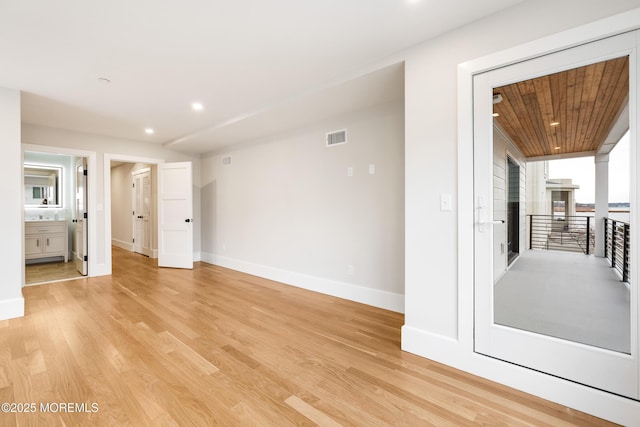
210,346
49,271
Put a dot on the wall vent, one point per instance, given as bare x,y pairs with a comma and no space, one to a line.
226,161
337,137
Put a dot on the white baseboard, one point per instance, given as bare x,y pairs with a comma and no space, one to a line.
128,246
11,308
197,256
454,353
374,297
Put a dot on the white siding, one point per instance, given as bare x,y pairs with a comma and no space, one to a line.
503,147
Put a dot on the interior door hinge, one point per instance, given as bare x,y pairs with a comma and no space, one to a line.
84,172
86,258
84,215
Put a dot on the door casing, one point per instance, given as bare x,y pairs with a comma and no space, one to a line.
94,267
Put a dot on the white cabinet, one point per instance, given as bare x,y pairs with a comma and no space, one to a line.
44,239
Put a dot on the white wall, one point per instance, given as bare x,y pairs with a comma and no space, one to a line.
435,301
287,209
11,226
101,145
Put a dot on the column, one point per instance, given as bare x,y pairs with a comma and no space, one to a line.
11,214
602,200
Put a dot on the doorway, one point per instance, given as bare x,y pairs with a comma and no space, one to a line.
133,210
171,211
537,101
51,218
513,210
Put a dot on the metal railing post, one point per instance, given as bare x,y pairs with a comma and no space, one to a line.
613,243
606,238
588,230
530,231
625,263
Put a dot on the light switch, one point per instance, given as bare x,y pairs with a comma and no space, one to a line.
350,171
445,202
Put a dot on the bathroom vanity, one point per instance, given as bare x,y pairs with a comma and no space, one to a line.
46,239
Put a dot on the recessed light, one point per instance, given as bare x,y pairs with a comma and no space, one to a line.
149,131
556,148
554,123
495,114
196,106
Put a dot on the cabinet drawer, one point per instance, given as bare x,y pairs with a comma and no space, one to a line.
40,229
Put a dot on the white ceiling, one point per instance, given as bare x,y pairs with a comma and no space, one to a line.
257,66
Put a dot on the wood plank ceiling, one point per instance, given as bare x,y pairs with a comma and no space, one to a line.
564,113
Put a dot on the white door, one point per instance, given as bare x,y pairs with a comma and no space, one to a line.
80,220
612,371
142,211
175,215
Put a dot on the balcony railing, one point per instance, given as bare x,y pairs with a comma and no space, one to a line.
569,233
617,245
576,234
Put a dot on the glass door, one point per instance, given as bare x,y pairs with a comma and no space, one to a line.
531,305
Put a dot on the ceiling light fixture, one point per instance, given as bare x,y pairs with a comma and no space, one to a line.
196,106
556,148
149,131
554,123
495,114
497,98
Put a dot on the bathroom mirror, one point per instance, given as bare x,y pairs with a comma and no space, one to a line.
42,186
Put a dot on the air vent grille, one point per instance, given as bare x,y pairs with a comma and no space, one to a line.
336,137
226,161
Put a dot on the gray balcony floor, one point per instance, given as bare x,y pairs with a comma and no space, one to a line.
565,295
